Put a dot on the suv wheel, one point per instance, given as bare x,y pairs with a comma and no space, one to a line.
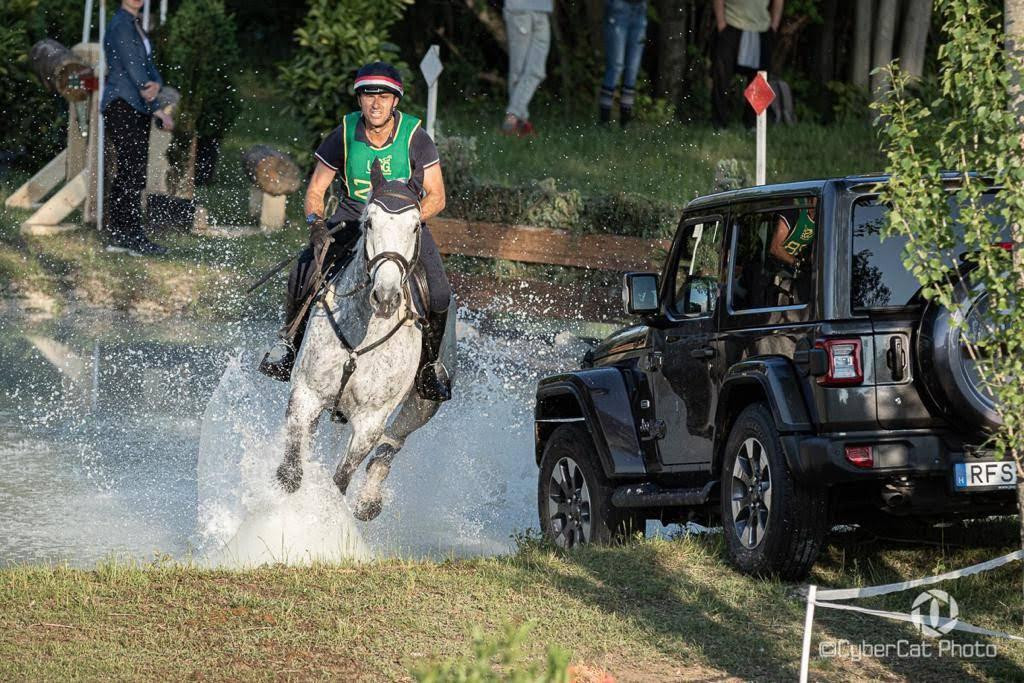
574,496
771,523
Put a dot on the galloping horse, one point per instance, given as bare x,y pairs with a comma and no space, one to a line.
362,348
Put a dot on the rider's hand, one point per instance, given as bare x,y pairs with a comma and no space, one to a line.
318,236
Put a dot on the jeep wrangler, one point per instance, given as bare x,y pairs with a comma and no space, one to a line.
785,375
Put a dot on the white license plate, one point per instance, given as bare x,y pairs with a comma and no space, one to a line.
982,474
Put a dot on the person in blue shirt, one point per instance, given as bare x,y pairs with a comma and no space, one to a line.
129,101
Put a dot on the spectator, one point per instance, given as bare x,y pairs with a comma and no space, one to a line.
129,101
527,23
746,31
625,32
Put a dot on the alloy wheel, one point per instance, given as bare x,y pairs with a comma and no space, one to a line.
751,493
569,504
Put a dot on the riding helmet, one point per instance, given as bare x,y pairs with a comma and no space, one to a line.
378,77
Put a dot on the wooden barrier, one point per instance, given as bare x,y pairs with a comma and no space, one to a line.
545,245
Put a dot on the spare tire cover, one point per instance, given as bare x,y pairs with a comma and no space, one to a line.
947,367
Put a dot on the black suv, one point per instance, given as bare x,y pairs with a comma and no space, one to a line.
787,373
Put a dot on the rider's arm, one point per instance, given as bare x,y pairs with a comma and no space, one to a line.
776,249
318,184
433,189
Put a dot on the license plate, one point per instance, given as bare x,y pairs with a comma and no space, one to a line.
985,474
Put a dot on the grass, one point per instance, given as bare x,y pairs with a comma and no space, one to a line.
204,276
656,610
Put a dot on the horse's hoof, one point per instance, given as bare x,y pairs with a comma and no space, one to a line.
341,480
289,476
367,509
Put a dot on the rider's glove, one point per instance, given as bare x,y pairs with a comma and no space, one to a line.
318,235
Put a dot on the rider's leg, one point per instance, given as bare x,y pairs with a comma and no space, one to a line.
280,359
433,381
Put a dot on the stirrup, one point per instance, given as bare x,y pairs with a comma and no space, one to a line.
278,362
433,382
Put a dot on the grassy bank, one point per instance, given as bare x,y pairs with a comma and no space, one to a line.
658,610
203,276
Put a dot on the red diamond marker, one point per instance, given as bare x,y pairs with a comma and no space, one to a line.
759,94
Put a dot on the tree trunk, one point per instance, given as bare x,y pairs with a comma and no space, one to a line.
881,55
826,63
491,20
860,64
59,69
672,50
270,170
915,36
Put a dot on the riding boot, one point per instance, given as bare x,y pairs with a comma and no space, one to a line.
433,379
280,359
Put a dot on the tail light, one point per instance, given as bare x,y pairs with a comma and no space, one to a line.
860,456
844,362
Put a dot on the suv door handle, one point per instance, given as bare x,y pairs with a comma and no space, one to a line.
703,353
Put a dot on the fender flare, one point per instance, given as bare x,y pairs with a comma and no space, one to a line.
603,406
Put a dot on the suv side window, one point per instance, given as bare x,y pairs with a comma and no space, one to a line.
698,270
772,256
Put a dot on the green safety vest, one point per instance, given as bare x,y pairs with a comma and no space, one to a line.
800,235
395,161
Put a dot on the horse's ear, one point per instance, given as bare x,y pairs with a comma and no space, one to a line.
376,175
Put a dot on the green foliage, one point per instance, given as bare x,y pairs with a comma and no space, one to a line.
507,650
338,37
849,102
201,53
37,118
970,126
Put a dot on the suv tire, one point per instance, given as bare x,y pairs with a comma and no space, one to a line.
790,519
574,496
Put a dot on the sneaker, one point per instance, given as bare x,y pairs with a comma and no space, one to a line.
510,126
526,129
150,248
122,246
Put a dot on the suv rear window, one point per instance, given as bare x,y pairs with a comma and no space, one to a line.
879,278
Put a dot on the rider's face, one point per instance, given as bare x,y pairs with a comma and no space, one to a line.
377,107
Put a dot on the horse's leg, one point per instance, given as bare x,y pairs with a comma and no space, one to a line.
367,429
414,413
300,422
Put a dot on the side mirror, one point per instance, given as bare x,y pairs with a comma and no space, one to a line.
700,295
640,293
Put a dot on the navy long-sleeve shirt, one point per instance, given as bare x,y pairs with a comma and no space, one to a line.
129,64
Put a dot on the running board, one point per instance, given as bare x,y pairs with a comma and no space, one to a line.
652,495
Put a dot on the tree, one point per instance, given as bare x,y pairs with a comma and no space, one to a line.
860,64
916,23
881,54
972,126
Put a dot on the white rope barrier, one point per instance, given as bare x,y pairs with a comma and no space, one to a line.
822,598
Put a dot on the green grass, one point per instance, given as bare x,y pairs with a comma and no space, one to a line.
657,610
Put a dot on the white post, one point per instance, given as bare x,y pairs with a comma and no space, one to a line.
163,12
102,75
87,21
145,16
762,134
431,68
805,658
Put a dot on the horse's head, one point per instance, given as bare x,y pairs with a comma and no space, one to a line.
391,224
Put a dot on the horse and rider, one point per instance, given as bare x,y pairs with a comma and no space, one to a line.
355,342
377,132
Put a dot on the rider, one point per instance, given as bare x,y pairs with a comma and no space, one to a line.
377,131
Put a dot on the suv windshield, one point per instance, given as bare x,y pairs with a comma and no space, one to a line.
879,278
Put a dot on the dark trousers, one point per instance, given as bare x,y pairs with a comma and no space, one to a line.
723,66
301,277
126,133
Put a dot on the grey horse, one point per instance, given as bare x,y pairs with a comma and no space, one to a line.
362,349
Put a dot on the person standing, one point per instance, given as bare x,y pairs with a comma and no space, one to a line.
746,32
527,23
625,33
129,102
376,131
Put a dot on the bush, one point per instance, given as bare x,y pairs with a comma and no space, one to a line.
338,37
38,118
505,651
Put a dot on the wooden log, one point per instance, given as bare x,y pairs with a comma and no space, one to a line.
272,210
39,185
544,245
272,171
60,70
66,200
